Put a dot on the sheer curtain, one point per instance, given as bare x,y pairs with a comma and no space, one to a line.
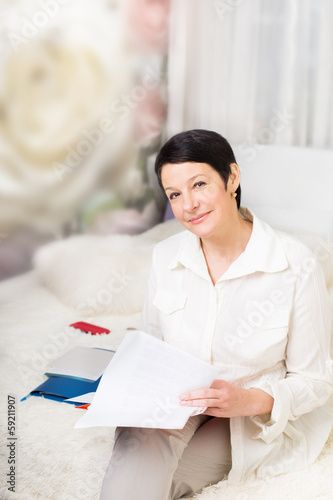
256,71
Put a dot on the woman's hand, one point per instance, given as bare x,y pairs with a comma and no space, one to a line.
227,400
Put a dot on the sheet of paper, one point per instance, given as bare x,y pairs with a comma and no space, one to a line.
84,399
141,385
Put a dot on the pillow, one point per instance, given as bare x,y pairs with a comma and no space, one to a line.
101,275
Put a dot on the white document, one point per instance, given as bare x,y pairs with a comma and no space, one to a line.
141,385
83,399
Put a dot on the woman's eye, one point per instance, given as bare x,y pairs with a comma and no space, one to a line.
173,196
199,184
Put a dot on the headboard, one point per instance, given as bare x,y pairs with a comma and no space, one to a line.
291,188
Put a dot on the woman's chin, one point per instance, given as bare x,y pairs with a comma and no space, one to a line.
201,230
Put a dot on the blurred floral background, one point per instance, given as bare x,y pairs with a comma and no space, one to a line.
82,113
90,89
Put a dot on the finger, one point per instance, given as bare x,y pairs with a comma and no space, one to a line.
199,394
201,402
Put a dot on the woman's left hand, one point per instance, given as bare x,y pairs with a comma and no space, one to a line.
223,399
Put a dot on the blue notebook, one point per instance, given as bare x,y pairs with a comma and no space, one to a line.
61,388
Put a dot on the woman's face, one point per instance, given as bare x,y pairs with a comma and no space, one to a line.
198,196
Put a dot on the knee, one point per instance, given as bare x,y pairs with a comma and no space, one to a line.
128,440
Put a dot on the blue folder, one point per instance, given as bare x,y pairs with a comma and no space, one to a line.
61,388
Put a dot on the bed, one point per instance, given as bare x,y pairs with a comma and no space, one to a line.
102,280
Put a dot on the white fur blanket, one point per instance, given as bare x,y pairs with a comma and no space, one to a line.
55,461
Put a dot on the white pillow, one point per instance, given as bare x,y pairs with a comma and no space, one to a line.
101,275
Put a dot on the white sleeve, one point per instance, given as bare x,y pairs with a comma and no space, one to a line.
308,382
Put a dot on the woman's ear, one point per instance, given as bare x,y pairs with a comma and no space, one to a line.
234,177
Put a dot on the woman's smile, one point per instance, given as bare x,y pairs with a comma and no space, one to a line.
199,218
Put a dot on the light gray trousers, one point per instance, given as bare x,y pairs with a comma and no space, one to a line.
166,464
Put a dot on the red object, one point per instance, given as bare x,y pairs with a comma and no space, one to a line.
83,407
89,328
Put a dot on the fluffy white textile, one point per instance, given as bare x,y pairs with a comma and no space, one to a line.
101,274
56,461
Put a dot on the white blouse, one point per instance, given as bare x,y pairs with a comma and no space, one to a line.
265,324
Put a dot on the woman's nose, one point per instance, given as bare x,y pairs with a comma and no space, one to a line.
190,202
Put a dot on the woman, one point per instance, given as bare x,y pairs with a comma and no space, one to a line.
248,299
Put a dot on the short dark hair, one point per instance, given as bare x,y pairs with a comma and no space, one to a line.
198,146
